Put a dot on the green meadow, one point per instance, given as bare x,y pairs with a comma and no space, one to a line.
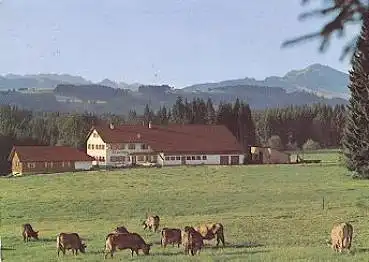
269,212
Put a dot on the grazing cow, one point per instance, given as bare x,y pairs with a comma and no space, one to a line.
171,236
192,241
122,241
121,229
341,236
28,232
151,222
66,241
212,230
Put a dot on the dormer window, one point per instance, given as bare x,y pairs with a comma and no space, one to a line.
144,146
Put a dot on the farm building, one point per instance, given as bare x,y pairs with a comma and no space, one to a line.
118,146
48,159
267,155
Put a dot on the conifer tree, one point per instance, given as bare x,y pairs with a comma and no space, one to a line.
356,132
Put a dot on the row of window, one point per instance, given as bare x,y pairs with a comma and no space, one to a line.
98,147
173,158
49,164
117,147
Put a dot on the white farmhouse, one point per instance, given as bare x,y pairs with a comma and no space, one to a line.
175,144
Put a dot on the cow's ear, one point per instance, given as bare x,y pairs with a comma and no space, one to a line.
36,232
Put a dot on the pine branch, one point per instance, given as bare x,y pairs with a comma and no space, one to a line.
348,11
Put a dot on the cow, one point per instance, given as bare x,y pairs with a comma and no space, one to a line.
28,232
341,236
66,241
212,230
122,241
192,241
171,236
152,222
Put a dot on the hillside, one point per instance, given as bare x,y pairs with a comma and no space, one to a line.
318,79
269,213
66,93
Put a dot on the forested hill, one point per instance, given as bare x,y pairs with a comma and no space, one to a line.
103,99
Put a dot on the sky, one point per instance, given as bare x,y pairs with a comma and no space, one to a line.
175,42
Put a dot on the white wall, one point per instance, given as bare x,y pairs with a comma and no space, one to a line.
95,139
125,152
83,165
210,160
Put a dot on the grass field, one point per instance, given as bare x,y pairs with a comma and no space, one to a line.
269,212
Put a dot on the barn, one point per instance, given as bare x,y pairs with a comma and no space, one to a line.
175,144
48,159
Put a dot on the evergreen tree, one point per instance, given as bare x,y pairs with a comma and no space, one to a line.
356,132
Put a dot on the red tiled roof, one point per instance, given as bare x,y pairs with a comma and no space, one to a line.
171,139
48,153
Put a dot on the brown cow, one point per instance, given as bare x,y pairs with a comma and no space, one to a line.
121,229
66,241
171,236
192,241
122,241
28,232
341,236
151,222
212,230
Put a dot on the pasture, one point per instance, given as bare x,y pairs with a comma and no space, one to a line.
269,212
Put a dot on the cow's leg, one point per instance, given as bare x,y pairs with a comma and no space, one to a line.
76,250
220,238
132,252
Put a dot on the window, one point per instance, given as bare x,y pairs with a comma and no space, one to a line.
144,146
31,165
140,158
132,146
188,158
89,146
178,158
193,158
172,158
204,157
102,147
128,158
102,159
97,146
122,146
113,159
92,147
198,157
167,158
48,164
95,135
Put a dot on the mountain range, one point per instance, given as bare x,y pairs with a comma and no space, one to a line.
66,93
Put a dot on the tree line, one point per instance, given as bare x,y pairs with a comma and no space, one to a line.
293,125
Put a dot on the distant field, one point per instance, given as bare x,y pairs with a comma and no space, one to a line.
270,213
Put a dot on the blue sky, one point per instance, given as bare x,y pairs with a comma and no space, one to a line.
176,42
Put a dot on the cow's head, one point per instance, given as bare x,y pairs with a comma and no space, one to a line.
35,234
121,229
82,248
146,249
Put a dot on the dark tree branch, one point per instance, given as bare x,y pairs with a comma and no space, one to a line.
347,11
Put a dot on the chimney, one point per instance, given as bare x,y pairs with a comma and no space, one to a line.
111,126
149,124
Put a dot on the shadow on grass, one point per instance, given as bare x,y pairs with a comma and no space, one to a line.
233,245
360,250
47,240
7,248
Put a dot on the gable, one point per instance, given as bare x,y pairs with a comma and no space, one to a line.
95,138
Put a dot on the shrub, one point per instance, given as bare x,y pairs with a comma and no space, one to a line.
275,142
310,145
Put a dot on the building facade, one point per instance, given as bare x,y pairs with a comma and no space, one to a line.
166,146
47,159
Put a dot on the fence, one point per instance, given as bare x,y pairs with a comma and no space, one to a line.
1,253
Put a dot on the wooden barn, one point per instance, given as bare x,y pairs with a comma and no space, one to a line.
47,159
